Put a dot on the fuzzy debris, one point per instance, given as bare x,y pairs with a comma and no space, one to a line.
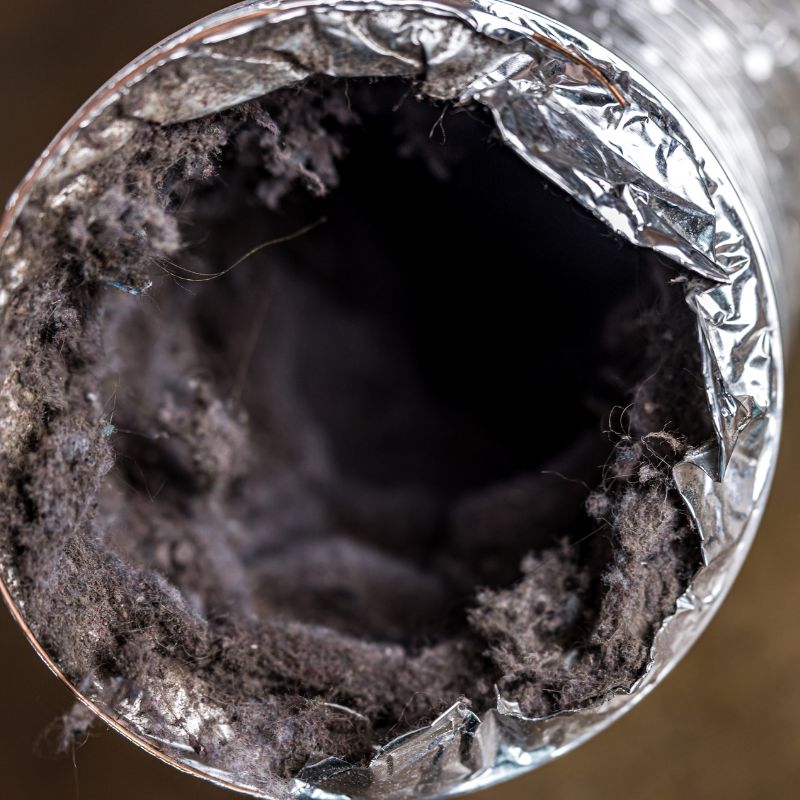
297,506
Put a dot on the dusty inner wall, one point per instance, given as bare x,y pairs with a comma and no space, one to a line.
415,446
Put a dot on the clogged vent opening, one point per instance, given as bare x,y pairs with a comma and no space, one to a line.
343,414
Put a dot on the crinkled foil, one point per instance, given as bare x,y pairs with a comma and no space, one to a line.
695,169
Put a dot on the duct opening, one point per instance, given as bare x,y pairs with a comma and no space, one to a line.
392,426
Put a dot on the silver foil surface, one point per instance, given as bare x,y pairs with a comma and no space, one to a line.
670,120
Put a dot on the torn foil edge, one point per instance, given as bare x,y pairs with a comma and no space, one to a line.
586,121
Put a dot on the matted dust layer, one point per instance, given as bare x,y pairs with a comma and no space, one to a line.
416,448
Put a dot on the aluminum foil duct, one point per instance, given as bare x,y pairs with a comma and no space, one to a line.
673,121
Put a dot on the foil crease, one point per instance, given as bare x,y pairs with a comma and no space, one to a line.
580,114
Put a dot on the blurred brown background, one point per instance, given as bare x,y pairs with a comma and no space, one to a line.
726,724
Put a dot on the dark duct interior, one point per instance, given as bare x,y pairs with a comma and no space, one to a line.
393,426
